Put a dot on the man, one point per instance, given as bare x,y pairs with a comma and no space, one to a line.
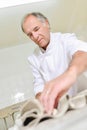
57,61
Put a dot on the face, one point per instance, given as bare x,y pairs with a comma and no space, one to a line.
37,31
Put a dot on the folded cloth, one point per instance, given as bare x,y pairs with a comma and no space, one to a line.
67,103
32,112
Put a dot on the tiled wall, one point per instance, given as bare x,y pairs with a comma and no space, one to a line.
15,74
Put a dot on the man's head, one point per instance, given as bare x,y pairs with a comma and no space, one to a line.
37,28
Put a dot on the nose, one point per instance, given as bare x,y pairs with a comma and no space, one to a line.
35,36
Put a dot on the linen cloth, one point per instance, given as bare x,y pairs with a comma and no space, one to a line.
32,113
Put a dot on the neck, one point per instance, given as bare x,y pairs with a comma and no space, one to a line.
45,47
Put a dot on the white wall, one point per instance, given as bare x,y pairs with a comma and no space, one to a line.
15,74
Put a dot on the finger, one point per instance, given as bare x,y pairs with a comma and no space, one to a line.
50,106
52,102
49,103
45,99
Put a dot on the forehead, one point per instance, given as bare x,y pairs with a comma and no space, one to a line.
31,19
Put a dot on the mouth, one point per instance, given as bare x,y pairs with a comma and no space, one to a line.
39,41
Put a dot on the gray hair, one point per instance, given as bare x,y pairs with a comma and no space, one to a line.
38,15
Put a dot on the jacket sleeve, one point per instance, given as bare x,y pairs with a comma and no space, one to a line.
73,44
38,81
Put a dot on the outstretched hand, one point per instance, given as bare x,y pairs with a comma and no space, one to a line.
54,89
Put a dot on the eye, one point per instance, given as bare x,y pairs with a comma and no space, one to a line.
36,28
29,34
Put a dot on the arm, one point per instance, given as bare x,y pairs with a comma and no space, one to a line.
79,62
38,81
57,87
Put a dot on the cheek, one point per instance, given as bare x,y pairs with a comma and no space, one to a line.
46,34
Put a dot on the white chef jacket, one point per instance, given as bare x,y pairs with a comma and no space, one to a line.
52,62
